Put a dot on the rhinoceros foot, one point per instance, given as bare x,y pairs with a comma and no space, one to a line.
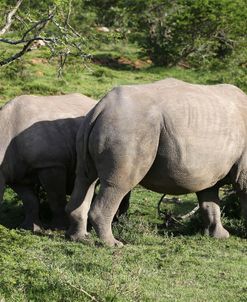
114,243
217,231
77,236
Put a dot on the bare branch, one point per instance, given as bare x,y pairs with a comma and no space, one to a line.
28,40
9,18
191,213
39,25
63,59
65,41
168,216
68,14
17,55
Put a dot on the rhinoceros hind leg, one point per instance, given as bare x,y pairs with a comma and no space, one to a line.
123,207
102,212
210,211
31,207
53,181
78,208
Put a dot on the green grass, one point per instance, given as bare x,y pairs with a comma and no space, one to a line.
34,75
156,264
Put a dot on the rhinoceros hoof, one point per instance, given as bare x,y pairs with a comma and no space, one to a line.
220,233
118,243
78,236
217,232
113,243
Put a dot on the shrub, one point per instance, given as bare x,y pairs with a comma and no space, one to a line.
195,30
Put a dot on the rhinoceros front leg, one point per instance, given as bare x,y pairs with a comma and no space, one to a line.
31,207
53,181
210,211
123,207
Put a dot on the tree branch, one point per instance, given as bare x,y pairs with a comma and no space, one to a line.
39,25
17,55
168,216
9,17
191,213
65,40
28,40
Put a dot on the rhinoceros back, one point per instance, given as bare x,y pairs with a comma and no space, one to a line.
23,112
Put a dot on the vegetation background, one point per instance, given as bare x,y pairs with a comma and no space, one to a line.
95,45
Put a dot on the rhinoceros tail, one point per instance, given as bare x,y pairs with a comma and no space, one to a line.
84,159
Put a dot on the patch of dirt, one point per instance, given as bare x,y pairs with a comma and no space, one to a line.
120,62
39,73
184,65
141,64
36,61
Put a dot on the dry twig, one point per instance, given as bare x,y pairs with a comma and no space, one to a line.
169,216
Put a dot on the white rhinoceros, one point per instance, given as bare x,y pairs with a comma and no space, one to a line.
38,135
169,136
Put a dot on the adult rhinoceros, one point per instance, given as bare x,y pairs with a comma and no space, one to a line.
169,136
38,137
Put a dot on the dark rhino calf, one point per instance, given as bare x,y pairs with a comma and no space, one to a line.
171,137
38,137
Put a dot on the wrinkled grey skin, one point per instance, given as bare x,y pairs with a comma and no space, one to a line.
38,147
171,137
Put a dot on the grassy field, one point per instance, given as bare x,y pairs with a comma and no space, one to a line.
156,264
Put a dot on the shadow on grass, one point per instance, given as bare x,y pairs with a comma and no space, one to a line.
230,212
170,211
131,227
193,226
11,213
190,227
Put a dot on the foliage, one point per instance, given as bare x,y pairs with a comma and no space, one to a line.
231,205
200,32
50,23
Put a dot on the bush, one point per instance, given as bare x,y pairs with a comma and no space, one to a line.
194,30
230,205
198,31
